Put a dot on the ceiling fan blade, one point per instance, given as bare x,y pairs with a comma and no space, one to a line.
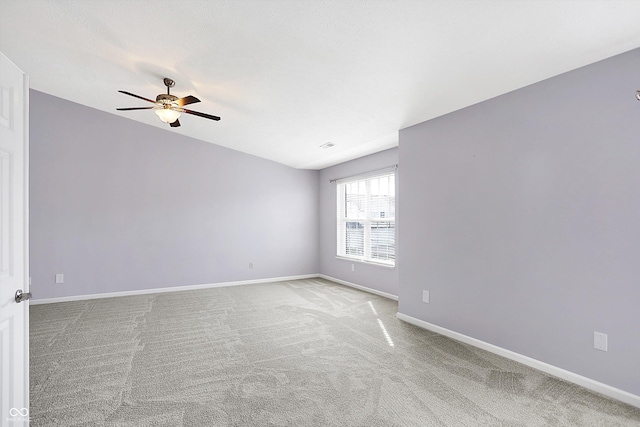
136,96
195,113
134,108
175,124
187,100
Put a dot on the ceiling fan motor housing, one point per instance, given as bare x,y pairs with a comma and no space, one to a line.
164,98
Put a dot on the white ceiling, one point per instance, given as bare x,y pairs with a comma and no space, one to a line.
289,76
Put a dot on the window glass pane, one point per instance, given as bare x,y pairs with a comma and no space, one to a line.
354,244
382,197
355,196
382,240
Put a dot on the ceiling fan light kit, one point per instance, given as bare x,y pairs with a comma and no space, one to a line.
168,115
169,107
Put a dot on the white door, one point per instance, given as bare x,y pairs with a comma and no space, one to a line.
14,258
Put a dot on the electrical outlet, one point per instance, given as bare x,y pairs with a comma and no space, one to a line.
59,278
353,267
600,341
425,296
250,266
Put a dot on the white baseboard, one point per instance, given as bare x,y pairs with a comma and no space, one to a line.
171,289
360,287
585,382
205,286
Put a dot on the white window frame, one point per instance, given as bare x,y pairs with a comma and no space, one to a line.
367,219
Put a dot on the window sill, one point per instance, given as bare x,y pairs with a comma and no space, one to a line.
361,261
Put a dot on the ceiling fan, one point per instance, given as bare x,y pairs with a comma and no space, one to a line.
168,107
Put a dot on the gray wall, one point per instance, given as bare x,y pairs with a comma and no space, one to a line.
117,205
383,279
521,216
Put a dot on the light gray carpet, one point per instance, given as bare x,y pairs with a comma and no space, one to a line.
298,353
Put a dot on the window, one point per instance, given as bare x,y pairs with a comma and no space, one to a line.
367,218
